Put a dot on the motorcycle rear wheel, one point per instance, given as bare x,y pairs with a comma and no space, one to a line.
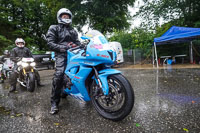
30,85
119,102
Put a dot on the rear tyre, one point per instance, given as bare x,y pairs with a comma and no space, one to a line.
119,102
30,82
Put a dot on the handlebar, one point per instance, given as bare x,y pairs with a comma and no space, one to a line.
15,58
71,49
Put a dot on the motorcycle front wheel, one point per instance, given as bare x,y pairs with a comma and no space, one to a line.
30,83
118,103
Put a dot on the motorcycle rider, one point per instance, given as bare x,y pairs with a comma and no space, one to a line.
60,38
6,55
20,51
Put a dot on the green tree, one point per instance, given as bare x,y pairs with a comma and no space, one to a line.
103,15
138,38
178,12
106,15
30,19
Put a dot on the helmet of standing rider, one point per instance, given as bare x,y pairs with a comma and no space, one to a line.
6,52
66,21
20,42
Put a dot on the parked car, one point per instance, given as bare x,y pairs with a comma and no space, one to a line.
44,60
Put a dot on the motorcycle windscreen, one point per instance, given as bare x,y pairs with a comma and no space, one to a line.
8,64
98,49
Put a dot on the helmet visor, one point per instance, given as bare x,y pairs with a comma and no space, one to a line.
20,44
65,16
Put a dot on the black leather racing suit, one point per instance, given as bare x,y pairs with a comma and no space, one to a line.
20,52
58,36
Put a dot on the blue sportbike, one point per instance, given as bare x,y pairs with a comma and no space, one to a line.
89,77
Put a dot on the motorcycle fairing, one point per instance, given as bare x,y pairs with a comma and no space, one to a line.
79,67
78,75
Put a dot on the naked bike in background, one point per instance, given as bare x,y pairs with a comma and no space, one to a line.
26,72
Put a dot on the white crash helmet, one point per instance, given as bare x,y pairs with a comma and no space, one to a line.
6,52
19,40
64,21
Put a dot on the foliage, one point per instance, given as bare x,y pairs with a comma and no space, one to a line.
180,13
5,43
30,19
138,38
107,15
177,12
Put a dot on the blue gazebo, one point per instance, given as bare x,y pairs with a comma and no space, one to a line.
176,35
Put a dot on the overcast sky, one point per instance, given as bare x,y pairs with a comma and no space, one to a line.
136,21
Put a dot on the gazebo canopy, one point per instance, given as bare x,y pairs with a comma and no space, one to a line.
177,35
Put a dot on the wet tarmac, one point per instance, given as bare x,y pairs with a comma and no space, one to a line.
166,101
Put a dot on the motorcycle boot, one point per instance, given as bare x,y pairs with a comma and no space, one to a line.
55,98
54,109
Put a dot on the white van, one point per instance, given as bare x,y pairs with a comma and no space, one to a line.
117,47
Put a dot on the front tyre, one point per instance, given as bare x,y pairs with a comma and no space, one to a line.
30,83
118,103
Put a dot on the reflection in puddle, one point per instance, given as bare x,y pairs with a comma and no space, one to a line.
182,99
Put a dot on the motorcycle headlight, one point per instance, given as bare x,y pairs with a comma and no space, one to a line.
24,64
19,63
33,64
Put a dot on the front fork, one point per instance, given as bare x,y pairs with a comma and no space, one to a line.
101,79
97,78
25,73
98,89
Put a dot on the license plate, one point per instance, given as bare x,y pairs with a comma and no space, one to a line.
45,59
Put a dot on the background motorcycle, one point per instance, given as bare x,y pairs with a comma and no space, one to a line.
26,70
6,68
89,76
